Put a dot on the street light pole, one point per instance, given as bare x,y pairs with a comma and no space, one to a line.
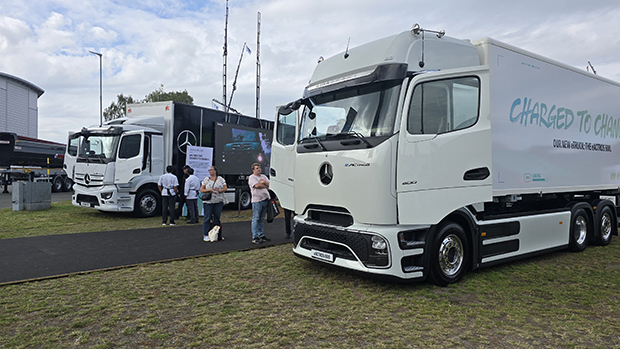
100,88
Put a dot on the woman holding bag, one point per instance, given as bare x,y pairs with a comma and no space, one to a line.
212,192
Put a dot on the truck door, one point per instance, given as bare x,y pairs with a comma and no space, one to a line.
71,155
444,150
129,160
282,170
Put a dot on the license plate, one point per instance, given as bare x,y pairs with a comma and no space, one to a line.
324,256
85,204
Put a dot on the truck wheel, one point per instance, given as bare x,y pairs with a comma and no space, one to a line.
449,254
67,184
245,198
147,203
604,223
579,230
57,184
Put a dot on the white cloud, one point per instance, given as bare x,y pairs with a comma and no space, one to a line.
178,43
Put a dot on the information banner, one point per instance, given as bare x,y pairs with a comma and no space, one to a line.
200,159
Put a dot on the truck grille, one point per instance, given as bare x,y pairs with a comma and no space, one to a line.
87,198
355,241
330,215
89,179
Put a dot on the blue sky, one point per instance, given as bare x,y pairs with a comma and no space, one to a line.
179,43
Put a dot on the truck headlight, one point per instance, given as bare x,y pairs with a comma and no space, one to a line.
107,195
379,244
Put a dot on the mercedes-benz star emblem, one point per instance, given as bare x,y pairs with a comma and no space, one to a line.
326,174
87,179
184,139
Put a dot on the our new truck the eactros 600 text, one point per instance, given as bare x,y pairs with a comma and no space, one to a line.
422,156
116,167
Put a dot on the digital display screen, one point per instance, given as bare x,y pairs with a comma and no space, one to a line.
238,147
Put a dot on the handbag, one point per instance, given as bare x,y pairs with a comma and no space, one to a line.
213,233
207,196
272,208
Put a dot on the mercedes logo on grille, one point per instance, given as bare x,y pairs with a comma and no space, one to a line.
326,174
87,178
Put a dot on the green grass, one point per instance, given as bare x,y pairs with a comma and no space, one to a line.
267,298
63,218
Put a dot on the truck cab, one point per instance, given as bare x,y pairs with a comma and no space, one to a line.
114,167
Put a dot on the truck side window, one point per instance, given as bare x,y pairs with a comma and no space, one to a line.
286,129
146,154
73,146
130,147
444,106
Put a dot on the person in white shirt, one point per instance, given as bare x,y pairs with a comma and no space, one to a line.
259,187
192,187
168,187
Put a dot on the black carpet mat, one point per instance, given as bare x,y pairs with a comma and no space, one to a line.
41,257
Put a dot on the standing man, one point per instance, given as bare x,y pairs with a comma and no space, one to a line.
259,187
192,187
168,187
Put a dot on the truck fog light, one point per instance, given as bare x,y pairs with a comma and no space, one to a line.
106,195
379,244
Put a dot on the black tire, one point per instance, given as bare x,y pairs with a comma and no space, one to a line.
245,198
579,230
57,184
604,223
67,184
148,203
449,254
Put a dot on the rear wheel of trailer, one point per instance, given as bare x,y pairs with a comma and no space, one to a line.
245,199
67,184
57,184
580,227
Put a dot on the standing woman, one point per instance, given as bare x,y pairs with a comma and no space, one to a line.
215,185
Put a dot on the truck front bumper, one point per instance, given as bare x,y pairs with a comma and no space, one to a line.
104,198
353,248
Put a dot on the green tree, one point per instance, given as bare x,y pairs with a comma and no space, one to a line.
160,95
118,109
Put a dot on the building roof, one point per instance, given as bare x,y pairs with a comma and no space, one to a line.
30,85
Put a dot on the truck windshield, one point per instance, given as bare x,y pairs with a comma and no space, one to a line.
361,112
98,148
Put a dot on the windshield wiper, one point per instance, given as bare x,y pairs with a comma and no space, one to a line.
359,136
317,141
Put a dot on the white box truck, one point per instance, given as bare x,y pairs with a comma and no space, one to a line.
116,167
422,156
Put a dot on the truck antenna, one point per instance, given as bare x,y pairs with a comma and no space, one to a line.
590,64
234,85
346,52
416,30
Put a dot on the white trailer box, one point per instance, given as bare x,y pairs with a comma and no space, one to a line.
554,128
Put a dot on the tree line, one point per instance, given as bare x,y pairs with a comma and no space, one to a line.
118,109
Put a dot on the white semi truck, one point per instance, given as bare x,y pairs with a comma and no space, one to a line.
116,167
420,156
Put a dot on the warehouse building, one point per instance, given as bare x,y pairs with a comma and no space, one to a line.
19,110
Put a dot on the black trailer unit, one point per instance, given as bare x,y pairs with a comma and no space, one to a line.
25,158
237,142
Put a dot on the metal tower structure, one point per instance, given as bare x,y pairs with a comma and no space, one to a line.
258,67
225,57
